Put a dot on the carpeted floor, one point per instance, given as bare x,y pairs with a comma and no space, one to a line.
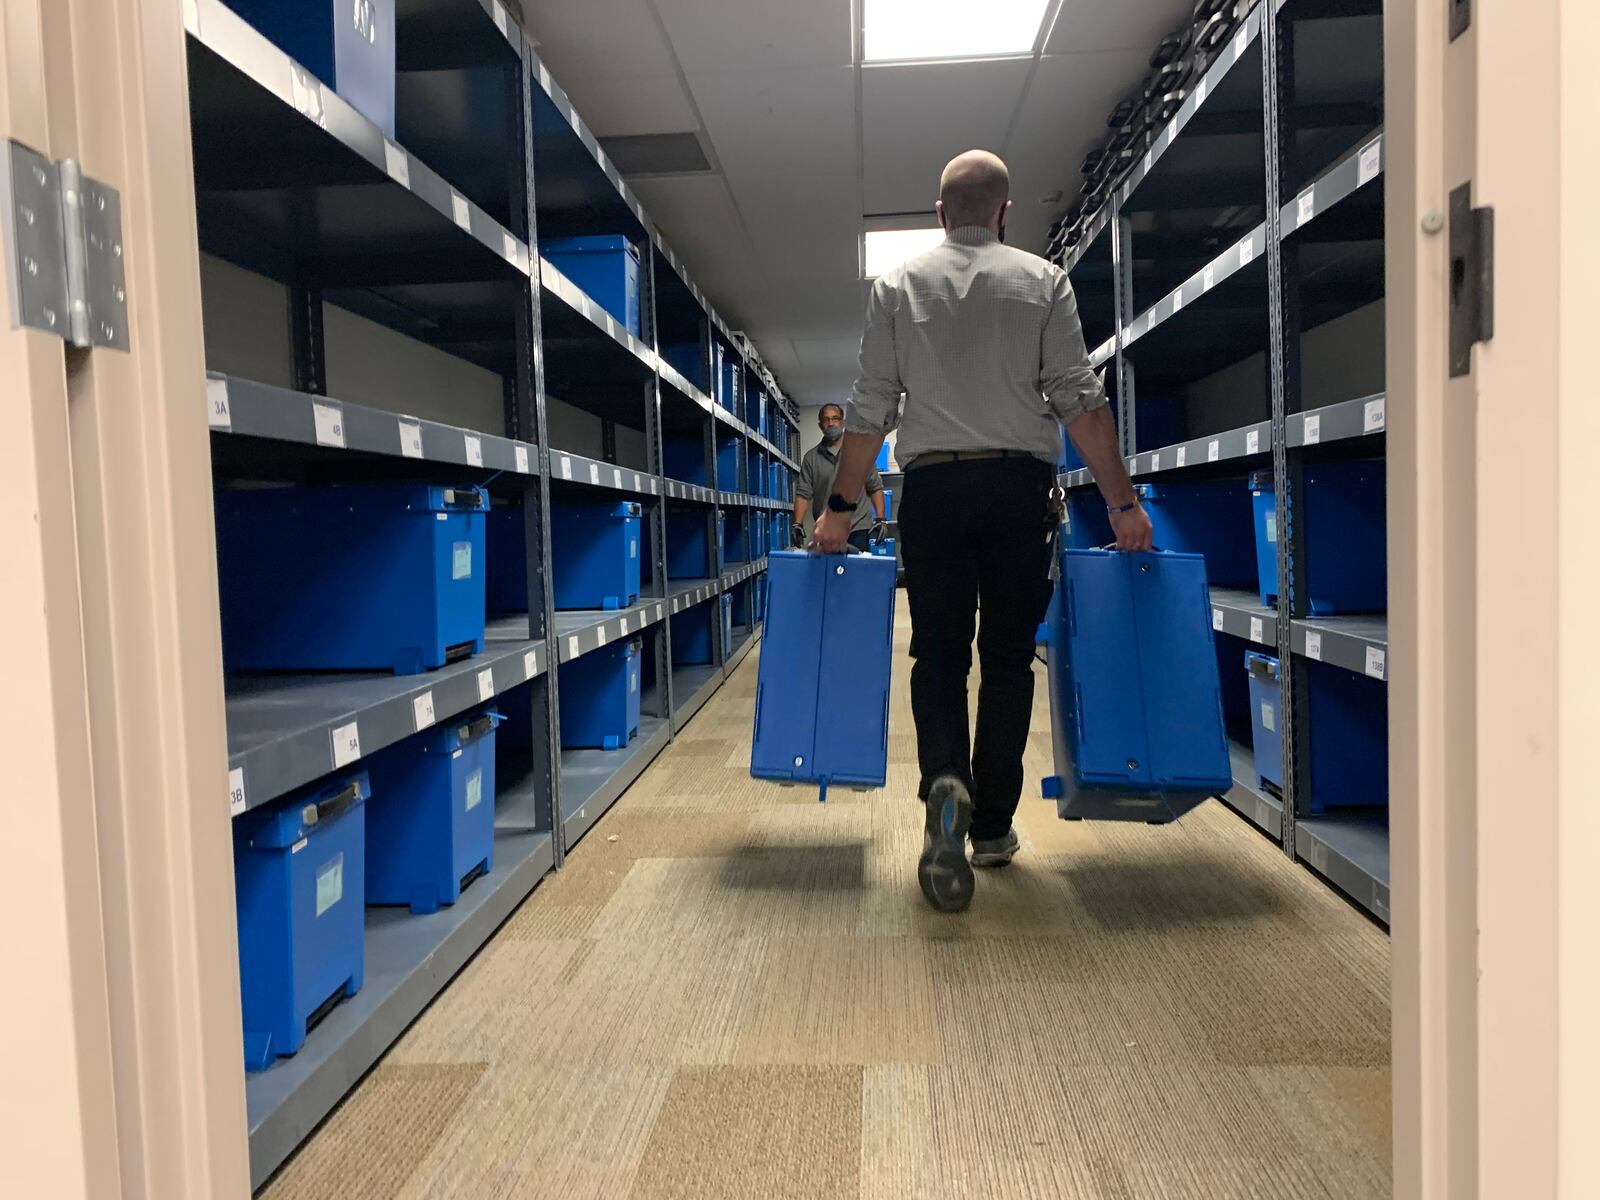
731,991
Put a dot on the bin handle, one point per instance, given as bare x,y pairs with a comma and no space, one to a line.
327,810
1262,666
463,497
473,730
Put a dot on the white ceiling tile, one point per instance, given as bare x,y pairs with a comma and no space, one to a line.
744,35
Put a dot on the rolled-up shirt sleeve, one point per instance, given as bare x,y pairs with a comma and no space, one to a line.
875,402
1069,383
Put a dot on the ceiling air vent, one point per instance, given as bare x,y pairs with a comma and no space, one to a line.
657,154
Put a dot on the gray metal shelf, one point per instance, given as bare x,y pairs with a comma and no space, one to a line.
577,300
744,637
1343,179
592,780
567,467
250,409
286,730
577,633
1241,614
1344,421
409,960
1359,643
1261,808
692,686
1350,849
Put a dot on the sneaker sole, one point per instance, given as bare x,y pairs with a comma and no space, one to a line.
993,860
943,872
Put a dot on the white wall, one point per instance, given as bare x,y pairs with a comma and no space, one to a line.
810,435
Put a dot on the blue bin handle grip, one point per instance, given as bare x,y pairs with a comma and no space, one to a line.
333,806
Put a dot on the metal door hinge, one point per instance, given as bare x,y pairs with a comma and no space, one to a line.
63,249
1471,277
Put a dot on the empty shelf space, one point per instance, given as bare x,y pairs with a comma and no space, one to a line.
591,780
1350,848
1241,614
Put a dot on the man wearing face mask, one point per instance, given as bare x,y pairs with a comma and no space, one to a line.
817,470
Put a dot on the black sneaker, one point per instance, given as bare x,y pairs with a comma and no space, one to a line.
995,852
943,871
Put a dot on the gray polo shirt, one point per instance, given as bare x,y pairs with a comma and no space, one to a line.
985,342
817,469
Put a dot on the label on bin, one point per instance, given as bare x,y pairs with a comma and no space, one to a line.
1375,662
521,453
1252,441
474,789
410,439
474,449
330,883
633,548
1213,450
329,420
396,163
1272,526
1269,718
1367,168
346,744
1314,645
1372,416
1216,618
236,804
1257,632
218,413
486,684
422,710
460,560
1313,430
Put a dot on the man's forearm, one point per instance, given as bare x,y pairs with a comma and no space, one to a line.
877,498
1094,434
855,461
801,507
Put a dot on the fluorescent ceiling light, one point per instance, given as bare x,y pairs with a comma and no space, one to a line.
885,249
900,30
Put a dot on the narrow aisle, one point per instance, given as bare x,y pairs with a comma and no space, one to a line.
732,991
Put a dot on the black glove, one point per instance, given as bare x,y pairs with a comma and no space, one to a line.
797,536
879,532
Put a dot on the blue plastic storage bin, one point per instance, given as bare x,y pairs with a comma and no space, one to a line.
298,879
882,462
822,691
689,360
888,504
725,607
883,548
685,459
728,448
1046,631
719,377
1266,705
1343,535
599,697
1208,519
756,410
430,821
689,554
1086,525
734,549
606,267
691,637
595,555
355,57
730,382
1135,700
1348,718
379,576
1068,459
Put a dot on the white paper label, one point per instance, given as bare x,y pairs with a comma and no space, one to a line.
219,414
1375,662
566,468
1305,208
594,473
1183,455
1177,300
1241,42
474,789
1272,526
410,439
460,560
486,684
1256,631
330,883
474,449
1147,162
530,663
1313,430
572,647
422,711
616,477
346,744
307,94
633,548
1269,717
1314,645
508,247
1216,618
521,453
1252,441
1208,278
236,804
396,163
1247,250
1155,461
1372,416
1213,449
636,481
1201,91
329,420
460,211
1367,166
500,17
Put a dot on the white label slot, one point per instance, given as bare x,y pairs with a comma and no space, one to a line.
486,684
459,210
530,663
329,421
1313,429
1252,442
1372,416
1216,618
1376,666
1367,166
1213,450
1183,454
422,711
566,467
219,413
1257,631
1247,250
397,164
1208,278
1314,644
1305,208
346,744
474,449
521,454
236,803
410,439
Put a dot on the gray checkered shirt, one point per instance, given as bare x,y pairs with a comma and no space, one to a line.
985,342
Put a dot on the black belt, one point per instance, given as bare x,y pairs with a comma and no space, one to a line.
936,458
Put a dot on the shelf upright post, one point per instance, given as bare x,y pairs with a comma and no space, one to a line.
1122,306
1283,318
656,459
532,425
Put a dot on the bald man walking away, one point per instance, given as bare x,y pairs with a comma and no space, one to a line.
984,342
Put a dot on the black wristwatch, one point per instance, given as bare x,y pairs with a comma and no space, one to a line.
838,504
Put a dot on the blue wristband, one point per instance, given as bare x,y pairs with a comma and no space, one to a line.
1122,508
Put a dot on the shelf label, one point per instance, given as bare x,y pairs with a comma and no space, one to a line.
346,744
1177,301
1247,250
1314,644
1147,162
307,94
1372,416
1241,42
1252,442
500,18
636,481
600,635
1257,632
1201,91
1155,460
329,420
530,663
594,473
219,413
508,247
396,163
486,684
1183,455
422,711
1208,278
572,647
236,804
1313,429
1376,665
459,210
1216,618
521,453
474,448
1213,450
410,439
616,477
566,467
1305,208
1367,166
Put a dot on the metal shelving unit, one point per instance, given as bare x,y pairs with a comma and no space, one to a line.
433,234
1221,286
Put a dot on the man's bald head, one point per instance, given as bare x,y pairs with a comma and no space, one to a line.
973,190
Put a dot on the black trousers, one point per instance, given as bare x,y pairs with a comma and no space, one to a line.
973,540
